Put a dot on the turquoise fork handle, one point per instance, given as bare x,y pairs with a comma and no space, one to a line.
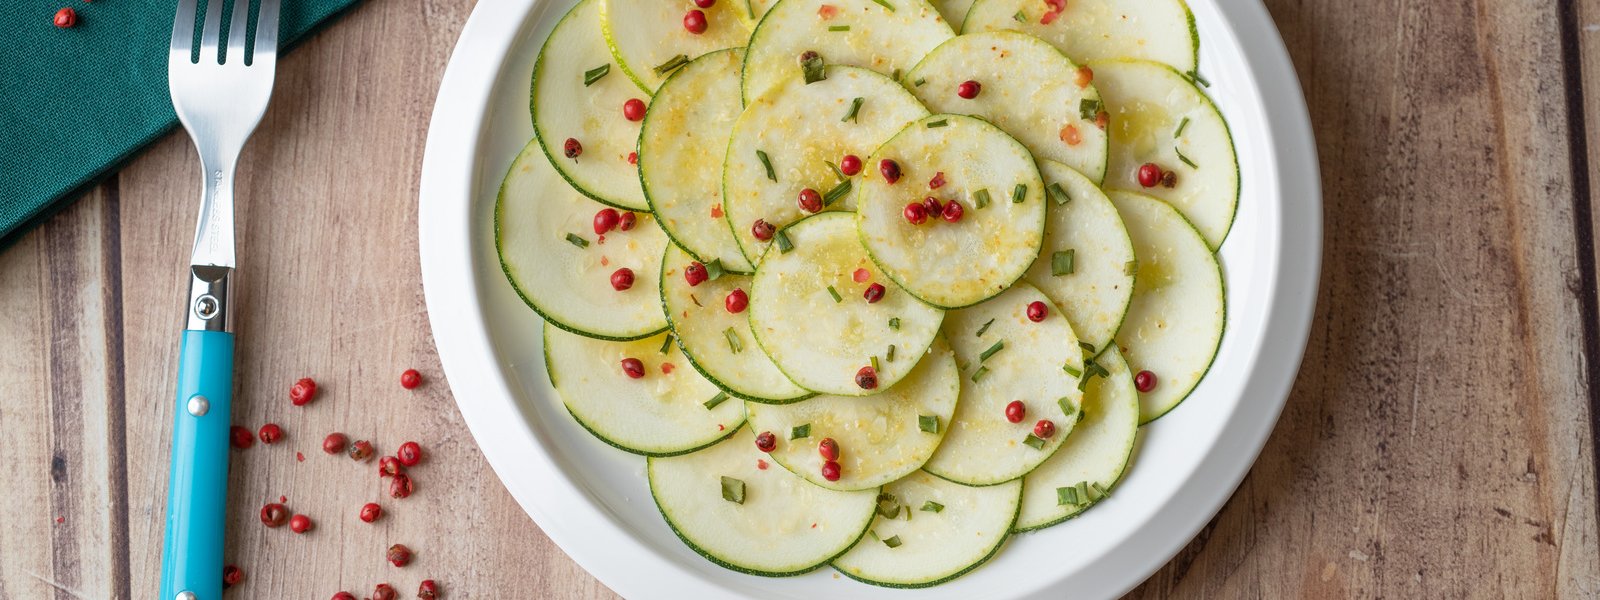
191,557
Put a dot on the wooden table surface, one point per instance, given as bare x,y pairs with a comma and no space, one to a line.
1439,441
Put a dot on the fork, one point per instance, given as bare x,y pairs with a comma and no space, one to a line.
220,97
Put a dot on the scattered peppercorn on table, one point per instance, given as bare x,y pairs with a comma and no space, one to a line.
1406,421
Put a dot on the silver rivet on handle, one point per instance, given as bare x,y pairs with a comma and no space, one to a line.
198,406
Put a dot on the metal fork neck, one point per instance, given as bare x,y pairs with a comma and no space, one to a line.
213,234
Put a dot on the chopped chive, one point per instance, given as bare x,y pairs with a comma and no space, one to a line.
1083,383
1100,489
1131,267
874,534
1071,371
766,163
732,490
714,269
782,239
892,542
938,123
931,506
998,346
672,63
1181,126
889,356
1066,406
1194,76
1061,262
1083,491
812,68
1034,441
920,81
1098,369
577,241
838,191
855,107
1019,193
800,431
835,293
1087,347
888,506
896,75
838,28
874,362
985,327
1021,18
666,345
885,4
715,400
835,168
1185,159
1058,193
1066,496
908,512
928,423
980,198
733,340
750,7
894,323
978,374
592,75
1088,108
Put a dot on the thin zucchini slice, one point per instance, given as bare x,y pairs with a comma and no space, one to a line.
1028,89
716,342
954,11
664,413
693,111
1014,359
881,438
544,233
884,36
1095,456
569,103
809,313
793,137
1175,322
995,240
649,41
1084,264
939,531
1159,116
1158,30
727,508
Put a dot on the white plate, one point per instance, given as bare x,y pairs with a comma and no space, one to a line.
593,500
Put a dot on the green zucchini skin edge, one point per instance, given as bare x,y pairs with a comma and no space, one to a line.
545,341
886,272
645,185
538,135
867,524
1004,539
505,269
677,340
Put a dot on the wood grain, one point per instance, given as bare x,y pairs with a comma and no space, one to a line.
1438,442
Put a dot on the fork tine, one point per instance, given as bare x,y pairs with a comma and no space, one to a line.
237,33
267,31
208,37
183,28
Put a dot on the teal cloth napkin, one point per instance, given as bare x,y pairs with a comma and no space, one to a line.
76,103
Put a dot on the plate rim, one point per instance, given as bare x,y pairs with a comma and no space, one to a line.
561,508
